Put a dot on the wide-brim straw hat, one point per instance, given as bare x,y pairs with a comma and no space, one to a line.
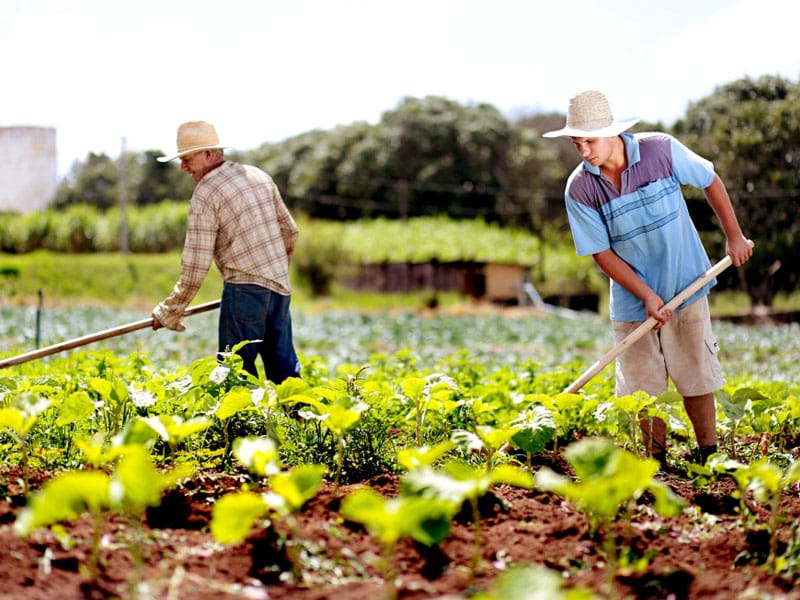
195,136
589,115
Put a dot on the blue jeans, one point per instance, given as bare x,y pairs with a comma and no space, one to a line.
251,312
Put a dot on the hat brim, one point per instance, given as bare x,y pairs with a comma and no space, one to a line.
190,151
612,130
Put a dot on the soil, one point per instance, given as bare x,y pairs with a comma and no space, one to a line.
700,554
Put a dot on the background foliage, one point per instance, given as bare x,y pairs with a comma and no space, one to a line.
434,156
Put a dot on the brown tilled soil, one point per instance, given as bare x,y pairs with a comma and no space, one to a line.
700,554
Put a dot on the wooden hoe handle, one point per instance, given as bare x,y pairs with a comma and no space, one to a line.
637,333
100,335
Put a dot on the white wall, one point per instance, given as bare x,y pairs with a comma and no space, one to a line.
28,168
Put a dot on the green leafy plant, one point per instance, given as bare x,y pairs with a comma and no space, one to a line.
174,430
608,479
339,411
457,483
485,441
432,393
766,482
533,582
234,515
535,429
133,485
391,520
17,422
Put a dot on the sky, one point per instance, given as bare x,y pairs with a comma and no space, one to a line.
108,74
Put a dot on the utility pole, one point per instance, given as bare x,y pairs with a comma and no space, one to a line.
123,201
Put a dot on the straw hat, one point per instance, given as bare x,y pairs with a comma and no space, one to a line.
195,136
590,115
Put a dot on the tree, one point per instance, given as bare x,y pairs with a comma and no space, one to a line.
92,182
95,181
451,156
159,181
750,128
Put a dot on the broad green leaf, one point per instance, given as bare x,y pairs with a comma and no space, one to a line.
429,483
234,401
74,408
101,386
173,429
13,420
233,516
292,386
423,456
667,502
511,475
259,454
537,429
607,477
495,437
633,403
65,497
389,520
413,387
298,485
141,484
339,419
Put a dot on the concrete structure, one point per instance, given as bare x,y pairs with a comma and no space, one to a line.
28,170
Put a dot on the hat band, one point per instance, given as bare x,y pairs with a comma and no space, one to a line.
591,125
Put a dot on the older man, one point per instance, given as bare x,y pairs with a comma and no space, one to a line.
238,219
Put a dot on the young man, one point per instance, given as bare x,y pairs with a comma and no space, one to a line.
237,218
626,209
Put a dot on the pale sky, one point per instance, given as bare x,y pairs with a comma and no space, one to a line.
264,70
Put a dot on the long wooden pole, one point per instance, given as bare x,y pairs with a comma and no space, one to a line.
100,335
639,332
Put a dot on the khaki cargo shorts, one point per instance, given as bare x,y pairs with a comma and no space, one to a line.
683,350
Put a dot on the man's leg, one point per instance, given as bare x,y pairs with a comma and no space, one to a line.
703,415
242,317
277,349
654,435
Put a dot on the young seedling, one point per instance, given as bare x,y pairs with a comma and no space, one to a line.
416,458
234,515
391,520
341,412
430,393
767,482
533,582
174,430
457,483
115,402
133,485
536,428
608,479
18,421
486,440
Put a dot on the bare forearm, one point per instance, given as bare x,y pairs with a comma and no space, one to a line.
621,272
737,245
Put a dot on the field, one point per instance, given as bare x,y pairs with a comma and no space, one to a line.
425,408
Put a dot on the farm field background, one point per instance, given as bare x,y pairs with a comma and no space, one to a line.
490,364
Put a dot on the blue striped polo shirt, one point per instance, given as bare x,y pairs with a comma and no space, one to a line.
647,222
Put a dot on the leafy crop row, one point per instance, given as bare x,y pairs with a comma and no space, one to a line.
118,429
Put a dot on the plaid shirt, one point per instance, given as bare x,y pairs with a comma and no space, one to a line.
237,218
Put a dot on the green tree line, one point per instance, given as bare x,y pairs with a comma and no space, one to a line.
434,156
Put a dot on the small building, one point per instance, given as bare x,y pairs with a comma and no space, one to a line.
494,282
29,169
